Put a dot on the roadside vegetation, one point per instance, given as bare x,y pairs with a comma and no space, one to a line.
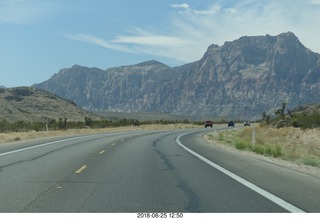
305,119
292,137
292,144
87,123
23,130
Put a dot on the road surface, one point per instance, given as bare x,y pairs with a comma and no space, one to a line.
146,171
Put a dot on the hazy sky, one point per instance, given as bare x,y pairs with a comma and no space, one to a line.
40,37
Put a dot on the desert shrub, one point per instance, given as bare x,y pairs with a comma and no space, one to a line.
259,149
277,151
268,150
88,121
299,120
311,161
5,126
22,91
241,145
273,151
310,121
15,98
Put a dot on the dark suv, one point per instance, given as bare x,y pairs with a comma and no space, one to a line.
231,123
208,123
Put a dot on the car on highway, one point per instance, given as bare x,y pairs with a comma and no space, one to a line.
231,123
208,124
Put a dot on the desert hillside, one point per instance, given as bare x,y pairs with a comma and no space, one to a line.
30,104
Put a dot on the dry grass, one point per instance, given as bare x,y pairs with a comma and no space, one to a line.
19,136
291,144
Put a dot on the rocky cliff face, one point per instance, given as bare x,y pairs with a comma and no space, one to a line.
240,79
251,75
124,89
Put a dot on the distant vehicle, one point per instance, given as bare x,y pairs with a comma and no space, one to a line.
231,123
247,124
208,123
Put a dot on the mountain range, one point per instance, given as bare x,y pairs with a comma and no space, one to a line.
238,80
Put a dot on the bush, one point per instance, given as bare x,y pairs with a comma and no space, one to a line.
299,120
277,152
259,149
311,161
241,145
310,121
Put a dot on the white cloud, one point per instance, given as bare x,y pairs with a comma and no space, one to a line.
191,30
142,42
143,37
218,23
98,41
188,10
183,6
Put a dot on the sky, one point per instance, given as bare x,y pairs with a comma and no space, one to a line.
40,37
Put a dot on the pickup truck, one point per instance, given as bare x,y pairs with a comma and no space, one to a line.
208,123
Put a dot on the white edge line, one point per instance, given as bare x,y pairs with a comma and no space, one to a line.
42,145
291,208
52,142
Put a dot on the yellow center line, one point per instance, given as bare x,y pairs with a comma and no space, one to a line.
81,169
101,152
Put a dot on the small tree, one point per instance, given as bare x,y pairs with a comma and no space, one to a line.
62,124
265,117
280,112
88,122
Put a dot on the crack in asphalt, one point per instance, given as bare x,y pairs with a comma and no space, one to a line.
193,204
41,156
193,199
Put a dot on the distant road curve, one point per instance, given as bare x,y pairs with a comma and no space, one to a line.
145,171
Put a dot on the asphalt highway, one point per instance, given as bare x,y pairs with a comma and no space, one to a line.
146,171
